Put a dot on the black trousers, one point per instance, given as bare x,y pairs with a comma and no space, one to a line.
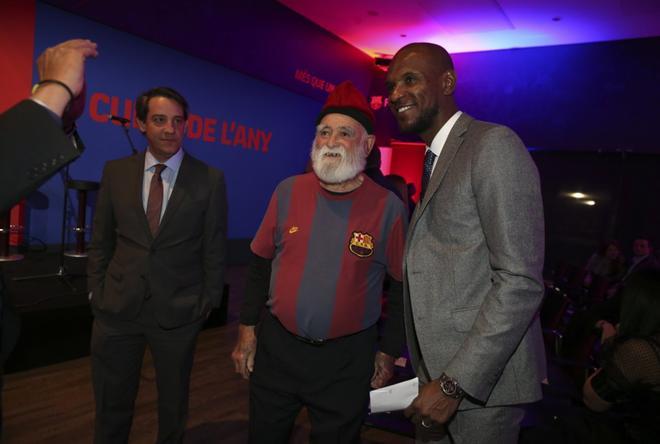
117,350
331,380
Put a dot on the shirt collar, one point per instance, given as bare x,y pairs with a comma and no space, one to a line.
440,138
173,162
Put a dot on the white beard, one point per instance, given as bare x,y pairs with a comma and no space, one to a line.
336,170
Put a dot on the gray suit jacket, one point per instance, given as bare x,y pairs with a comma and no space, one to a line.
472,268
181,267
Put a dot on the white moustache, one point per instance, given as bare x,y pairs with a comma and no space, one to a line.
325,150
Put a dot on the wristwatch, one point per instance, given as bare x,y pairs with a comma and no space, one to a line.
450,387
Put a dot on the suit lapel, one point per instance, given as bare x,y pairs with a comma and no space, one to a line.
453,143
180,191
136,186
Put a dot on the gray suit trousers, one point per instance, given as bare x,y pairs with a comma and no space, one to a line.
490,425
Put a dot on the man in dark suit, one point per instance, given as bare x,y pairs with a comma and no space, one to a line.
473,261
156,264
33,145
643,258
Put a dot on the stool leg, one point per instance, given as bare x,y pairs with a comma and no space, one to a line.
80,229
4,234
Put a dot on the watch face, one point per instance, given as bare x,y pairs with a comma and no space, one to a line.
449,387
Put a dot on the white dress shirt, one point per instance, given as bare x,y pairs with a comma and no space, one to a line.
440,138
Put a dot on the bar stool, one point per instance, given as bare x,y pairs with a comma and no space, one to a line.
82,187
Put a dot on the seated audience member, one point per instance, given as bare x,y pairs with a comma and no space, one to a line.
642,259
607,262
622,397
629,377
583,323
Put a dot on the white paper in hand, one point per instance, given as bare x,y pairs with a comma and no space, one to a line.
394,397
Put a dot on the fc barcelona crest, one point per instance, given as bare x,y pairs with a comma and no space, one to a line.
362,244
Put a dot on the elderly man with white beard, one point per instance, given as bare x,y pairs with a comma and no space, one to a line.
325,245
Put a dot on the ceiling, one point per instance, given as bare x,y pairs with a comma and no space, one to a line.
380,27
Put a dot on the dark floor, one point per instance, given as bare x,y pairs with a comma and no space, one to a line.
56,327
53,310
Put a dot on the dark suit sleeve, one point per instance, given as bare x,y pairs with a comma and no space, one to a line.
393,337
393,334
256,289
32,148
104,235
215,241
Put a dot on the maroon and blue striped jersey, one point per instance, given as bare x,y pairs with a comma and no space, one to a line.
330,253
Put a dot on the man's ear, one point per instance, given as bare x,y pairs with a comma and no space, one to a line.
448,82
141,125
371,139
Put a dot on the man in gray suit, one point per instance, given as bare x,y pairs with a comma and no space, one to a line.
473,261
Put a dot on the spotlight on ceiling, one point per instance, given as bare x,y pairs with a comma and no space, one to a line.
577,195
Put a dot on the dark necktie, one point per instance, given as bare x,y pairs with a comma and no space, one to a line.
155,201
429,157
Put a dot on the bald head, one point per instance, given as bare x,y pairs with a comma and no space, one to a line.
421,82
436,54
